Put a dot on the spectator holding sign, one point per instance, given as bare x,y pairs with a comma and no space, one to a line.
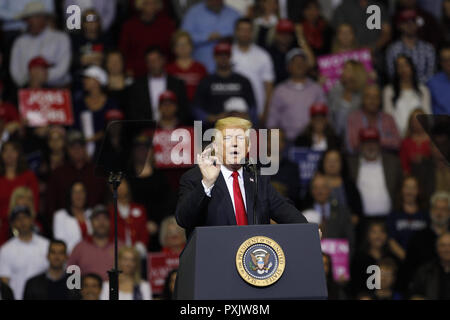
37,73
346,94
345,39
91,106
40,40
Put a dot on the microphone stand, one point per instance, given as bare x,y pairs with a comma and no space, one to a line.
113,274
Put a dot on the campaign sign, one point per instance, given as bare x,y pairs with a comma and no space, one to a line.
174,148
41,107
330,66
159,265
338,250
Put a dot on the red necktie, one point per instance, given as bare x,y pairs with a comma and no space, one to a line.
241,216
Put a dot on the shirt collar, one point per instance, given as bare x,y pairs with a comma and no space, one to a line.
227,172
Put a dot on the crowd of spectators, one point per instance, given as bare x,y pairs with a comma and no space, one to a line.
382,184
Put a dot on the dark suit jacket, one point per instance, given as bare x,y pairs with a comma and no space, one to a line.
339,224
195,208
392,173
140,103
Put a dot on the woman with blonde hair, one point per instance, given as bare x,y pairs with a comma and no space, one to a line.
172,237
346,94
23,196
131,286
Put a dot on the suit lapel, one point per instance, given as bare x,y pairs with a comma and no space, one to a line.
249,186
222,193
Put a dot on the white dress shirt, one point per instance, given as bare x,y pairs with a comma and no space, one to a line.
227,175
156,86
372,186
19,261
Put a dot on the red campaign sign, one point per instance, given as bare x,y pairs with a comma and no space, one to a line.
40,107
174,148
159,265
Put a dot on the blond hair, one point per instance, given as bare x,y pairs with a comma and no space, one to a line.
137,261
164,229
21,192
179,35
233,122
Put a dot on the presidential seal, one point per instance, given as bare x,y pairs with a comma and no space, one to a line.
260,261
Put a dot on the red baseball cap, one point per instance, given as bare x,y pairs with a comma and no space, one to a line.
114,114
222,48
38,62
285,25
318,109
406,15
369,134
167,95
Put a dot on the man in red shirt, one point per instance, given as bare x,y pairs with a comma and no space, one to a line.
150,27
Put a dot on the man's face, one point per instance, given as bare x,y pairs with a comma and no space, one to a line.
370,150
36,23
23,223
440,212
10,155
234,146
244,33
371,100
409,28
150,7
167,109
38,75
155,64
320,190
100,226
298,67
387,277
57,256
77,152
443,248
91,289
445,61
284,39
214,5
223,61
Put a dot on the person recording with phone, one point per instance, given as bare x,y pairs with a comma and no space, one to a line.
219,191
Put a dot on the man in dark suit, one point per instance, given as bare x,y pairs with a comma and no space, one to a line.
144,93
220,192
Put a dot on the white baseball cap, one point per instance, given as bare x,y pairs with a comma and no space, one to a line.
97,73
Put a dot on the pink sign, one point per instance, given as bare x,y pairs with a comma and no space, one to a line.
330,66
338,250
159,266
166,149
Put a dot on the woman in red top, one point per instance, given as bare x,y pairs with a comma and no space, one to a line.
184,67
416,145
131,220
14,173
